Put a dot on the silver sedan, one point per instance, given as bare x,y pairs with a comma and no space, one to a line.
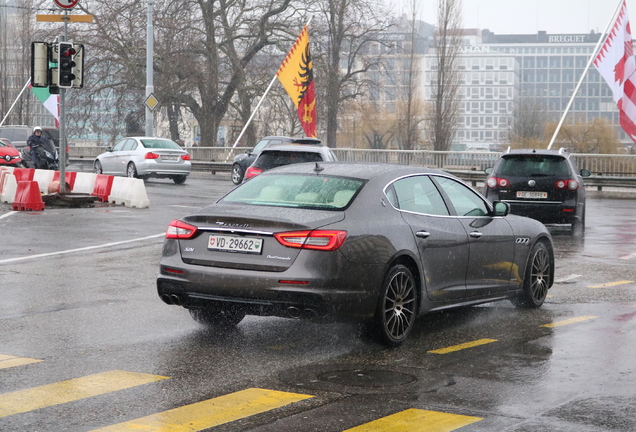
144,157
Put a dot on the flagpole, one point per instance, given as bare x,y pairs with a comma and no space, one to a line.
257,106
589,63
15,101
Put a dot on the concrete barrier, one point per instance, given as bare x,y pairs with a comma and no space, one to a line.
7,188
103,186
28,197
84,183
44,179
119,190
136,196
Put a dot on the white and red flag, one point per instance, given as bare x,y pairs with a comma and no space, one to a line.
615,62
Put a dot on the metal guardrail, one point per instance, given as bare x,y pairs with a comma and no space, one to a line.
607,170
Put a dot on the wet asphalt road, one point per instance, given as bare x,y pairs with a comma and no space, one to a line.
78,300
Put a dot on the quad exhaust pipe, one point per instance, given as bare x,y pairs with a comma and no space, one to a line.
171,299
297,313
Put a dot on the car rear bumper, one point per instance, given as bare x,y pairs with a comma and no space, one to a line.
284,294
164,169
546,212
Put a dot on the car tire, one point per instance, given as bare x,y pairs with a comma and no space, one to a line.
218,318
131,170
397,307
180,179
537,280
237,174
97,167
578,224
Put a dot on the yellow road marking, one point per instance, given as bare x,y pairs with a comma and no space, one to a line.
67,391
569,321
417,420
611,284
7,361
462,346
210,413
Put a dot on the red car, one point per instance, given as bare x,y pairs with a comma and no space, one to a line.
8,154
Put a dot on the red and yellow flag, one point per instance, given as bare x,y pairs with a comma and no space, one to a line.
297,76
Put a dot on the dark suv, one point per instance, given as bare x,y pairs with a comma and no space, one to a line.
285,154
542,184
242,161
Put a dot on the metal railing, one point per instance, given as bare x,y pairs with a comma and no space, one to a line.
607,170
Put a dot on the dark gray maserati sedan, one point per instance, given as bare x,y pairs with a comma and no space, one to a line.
377,244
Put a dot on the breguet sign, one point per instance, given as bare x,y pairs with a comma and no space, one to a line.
568,38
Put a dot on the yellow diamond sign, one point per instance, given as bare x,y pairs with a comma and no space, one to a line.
152,102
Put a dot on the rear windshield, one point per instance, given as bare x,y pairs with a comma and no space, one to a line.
297,190
533,166
160,144
273,159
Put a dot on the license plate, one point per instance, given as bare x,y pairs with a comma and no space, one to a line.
227,243
170,158
532,194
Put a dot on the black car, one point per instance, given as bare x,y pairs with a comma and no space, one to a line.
542,184
277,155
370,243
244,160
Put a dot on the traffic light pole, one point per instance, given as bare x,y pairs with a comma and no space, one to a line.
63,140
149,68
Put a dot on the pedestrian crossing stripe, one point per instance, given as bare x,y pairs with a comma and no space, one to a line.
22,401
8,361
209,413
462,346
417,420
568,321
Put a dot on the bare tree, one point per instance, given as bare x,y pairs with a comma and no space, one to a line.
445,91
200,65
529,119
353,28
410,112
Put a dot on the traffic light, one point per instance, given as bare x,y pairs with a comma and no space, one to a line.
65,64
78,71
39,64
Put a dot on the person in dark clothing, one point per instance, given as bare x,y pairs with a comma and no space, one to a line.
36,140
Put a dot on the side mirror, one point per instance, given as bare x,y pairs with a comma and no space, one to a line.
501,208
585,173
488,170
109,149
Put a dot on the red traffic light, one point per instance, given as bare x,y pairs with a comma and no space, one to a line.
68,51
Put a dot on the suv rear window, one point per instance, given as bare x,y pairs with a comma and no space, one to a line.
533,166
273,159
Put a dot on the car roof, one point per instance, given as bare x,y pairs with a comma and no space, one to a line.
296,140
561,152
292,148
361,170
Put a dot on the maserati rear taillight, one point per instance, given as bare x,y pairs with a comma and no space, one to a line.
324,240
180,230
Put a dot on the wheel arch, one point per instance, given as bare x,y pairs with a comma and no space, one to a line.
410,262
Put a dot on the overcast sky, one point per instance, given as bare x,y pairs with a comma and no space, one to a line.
530,16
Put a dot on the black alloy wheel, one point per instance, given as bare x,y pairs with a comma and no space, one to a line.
397,306
537,280
237,174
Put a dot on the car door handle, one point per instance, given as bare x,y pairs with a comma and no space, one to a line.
475,234
422,234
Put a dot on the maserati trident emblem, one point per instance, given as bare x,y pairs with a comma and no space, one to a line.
531,183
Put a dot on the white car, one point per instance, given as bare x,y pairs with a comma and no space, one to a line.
144,157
